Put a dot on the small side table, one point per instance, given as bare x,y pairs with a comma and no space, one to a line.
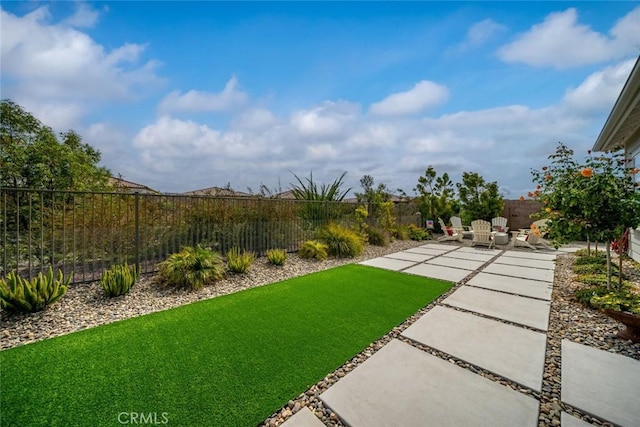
514,234
501,238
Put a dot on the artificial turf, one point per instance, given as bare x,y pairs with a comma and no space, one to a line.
226,361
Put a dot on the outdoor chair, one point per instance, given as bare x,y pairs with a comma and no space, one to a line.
499,224
482,233
456,224
449,232
532,238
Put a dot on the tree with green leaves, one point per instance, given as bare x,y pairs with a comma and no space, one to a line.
373,197
31,156
596,199
435,196
478,199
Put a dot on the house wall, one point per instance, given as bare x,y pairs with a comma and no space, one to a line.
633,152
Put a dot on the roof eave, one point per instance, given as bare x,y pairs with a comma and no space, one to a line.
628,98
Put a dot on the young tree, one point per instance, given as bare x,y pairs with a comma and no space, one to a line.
435,194
596,199
479,199
373,197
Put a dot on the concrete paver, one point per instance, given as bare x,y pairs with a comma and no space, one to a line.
427,251
549,256
513,285
464,264
440,246
601,383
471,256
567,420
479,250
388,263
510,351
517,309
525,262
409,256
402,385
303,418
438,272
519,271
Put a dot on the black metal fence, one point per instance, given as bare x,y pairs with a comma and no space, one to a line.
86,232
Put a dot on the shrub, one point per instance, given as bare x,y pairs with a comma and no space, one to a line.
239,261
28,296
597,280
584,295
277,256
418,234
593,259
118,280
584,252
341,242
594,269
312,249
192,268
618,301
402,233
377,237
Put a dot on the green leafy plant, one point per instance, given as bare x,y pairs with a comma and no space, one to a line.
478,199
29,296
590,259
618,300
593,269
596,199
402,232
341,242
313,249
597,280
119,279
192,268
418,234
277,256
377,237
435,196
239,261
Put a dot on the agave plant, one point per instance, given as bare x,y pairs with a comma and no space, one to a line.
28,296
119,279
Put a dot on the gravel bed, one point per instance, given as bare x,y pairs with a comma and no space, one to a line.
85,306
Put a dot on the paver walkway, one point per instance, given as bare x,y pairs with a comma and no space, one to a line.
496,321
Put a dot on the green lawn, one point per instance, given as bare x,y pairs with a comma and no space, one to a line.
227,361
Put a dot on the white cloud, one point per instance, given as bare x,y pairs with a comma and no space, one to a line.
56,65
195,101
562,42
84,16
423,95
328,119
599,91
480,33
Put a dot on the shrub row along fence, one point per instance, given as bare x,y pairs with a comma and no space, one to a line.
86,232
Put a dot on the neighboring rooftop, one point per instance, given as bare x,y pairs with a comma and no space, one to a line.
122,185
218,192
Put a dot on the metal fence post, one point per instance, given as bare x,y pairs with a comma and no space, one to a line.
137,230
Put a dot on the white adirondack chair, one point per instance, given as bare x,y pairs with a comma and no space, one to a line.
449,233
456,224
481,233
533,237
499,224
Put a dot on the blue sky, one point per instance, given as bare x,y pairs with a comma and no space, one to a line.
186,95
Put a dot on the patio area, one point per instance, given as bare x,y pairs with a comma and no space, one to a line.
491,352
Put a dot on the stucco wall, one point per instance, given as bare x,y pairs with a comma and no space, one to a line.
633,152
